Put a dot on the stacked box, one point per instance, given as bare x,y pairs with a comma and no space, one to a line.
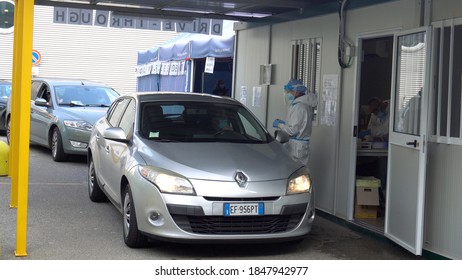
367,197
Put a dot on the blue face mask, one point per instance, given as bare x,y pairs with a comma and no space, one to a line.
289,98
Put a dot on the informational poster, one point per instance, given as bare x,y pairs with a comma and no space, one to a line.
328,103
243,97
256,97
209,64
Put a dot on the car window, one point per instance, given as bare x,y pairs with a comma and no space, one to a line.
200,122
82,95
5,90
116,112
35,87
44,92
128,118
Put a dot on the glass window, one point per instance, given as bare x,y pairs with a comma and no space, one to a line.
409,83
456,83
200,122
85,96
306,64
5,90
126,123
116,112
446,95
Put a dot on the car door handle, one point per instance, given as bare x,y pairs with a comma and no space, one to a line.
97,137
107,149
414,143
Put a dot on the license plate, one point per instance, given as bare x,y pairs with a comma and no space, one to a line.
243,209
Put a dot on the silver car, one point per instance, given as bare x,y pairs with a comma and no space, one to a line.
196,167
63,112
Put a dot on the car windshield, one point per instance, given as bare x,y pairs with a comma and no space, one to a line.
5,90
200,122
84,96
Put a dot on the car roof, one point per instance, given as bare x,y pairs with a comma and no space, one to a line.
181,96
68,81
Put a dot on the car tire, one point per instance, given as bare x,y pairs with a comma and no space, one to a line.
132,236
8,130
94,191
57,151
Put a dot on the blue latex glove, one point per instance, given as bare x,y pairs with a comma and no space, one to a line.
364,133
277,122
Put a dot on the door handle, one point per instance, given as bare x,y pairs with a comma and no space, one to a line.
414,143
107,149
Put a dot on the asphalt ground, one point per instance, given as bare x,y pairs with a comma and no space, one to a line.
63,224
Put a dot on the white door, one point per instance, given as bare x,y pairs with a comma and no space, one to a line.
407,142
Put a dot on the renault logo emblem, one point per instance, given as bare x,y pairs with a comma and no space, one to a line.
241,179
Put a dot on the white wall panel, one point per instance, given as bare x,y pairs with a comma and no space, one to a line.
443,203
331,161
107,55
254,44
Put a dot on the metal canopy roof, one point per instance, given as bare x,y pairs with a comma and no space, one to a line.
261,11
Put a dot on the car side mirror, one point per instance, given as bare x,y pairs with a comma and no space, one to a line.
115,134
281,136
41,102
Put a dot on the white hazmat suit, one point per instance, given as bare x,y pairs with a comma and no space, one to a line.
298,125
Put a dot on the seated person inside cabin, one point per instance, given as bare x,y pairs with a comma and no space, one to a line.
377,129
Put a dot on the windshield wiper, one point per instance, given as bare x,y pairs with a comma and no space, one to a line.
72,104
97,105
163,140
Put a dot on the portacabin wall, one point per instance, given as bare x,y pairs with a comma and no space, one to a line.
253,47
333,148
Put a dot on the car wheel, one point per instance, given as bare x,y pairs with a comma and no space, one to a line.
57,151
132,236
8,130
94,190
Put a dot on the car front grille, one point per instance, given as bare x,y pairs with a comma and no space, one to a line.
237,225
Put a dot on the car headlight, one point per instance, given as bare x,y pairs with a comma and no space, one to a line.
167,182
83,125
299,184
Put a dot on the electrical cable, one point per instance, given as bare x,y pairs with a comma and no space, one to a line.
342,42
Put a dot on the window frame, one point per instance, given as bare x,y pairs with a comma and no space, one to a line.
306,65
438,84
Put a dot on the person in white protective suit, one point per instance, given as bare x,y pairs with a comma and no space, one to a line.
377,129
298,123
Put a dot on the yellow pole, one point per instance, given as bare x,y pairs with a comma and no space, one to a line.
24,59
14,118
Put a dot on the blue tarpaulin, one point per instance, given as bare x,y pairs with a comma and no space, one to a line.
187,47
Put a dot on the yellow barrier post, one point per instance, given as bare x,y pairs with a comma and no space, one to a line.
24,62
14,118
4,152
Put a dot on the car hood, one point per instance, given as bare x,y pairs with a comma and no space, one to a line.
220,161
89,114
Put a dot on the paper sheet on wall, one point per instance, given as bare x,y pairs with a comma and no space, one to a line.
328,102
209,64
256,98
243,97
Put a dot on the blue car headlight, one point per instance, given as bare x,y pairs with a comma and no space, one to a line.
167,182
299,182
83,125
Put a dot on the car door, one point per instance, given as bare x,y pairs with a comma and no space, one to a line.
106,149
407,143
41,116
